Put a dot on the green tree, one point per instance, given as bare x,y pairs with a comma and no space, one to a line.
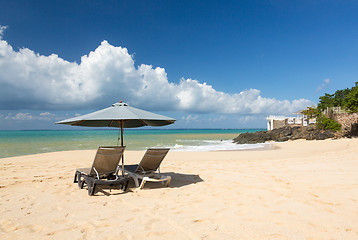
328,124
351,100
325,101
339,97
346,98
311,112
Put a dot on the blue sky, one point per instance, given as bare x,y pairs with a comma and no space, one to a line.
209,64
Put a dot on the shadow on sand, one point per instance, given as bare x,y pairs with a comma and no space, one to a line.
178,180
181,179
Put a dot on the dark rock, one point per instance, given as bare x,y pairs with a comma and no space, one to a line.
281,134
283,139
321,135
354,130
258,137
284,134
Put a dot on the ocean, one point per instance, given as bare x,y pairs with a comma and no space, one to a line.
18,143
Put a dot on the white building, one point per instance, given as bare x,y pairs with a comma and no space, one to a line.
282,121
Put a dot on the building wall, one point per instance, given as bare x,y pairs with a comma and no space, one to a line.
349,121
274,122
346,120
278,124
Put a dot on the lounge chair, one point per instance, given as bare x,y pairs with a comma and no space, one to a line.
104,170
148,167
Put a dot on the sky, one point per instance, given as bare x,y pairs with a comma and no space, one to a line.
208,64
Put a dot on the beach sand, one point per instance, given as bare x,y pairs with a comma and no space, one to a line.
295,190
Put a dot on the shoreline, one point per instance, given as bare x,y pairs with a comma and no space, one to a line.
32,142
267,146
270,145
298,190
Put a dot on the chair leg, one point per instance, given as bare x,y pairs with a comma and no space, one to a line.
135,181
75,179
79,179
143,182
82,184
91,188
125,185
168,182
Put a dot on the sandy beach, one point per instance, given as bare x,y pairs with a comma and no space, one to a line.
295,190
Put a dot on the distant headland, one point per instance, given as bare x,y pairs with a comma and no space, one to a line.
335,116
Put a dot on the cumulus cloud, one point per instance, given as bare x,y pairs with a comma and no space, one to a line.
29,80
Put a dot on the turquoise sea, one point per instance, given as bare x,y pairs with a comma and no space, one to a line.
18,143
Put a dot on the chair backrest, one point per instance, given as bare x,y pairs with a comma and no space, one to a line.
106,160
152,159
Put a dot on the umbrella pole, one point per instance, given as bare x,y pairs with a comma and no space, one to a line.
122,133
119,136
122,146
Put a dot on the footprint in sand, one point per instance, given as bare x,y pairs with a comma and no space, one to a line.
88,232
50,233
314,195
37,180
199,220
149,225
8,226
36,228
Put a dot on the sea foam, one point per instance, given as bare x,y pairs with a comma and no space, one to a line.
216,145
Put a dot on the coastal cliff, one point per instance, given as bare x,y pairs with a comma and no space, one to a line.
284,134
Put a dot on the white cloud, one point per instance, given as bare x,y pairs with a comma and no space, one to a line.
26,116
246,119
46,114
29,80
2,29
324,85
218,119
20,116
190,118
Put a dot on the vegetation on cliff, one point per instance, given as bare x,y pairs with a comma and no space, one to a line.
347,99
325,123
325,127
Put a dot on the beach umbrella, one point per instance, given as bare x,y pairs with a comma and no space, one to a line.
119,115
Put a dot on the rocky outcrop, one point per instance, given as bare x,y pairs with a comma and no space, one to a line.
284,134
349,123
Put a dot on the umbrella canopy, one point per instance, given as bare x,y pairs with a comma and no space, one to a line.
119,115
